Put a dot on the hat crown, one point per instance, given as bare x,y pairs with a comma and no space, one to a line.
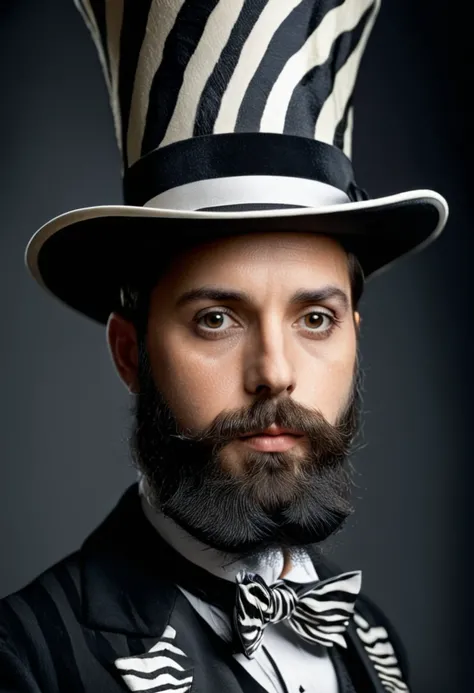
181,69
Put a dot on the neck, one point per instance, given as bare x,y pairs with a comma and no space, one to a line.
287,563
221,564
271,566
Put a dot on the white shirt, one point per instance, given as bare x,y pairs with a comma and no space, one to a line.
303,666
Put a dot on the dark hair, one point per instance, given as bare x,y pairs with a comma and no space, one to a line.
356,279
135,294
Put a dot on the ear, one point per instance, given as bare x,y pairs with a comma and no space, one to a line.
123,347
357,320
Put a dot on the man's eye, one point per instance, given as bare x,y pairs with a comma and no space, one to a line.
214,320
317,321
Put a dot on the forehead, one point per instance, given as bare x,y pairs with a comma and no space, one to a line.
250,258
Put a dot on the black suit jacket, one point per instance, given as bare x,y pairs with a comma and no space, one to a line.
107,620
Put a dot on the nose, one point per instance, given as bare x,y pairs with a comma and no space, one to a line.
268,367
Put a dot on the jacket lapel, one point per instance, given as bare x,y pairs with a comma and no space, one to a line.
123,589
370,656
159,643
126,599
360,668
373,643
165,667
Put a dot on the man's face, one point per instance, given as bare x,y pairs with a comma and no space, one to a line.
247,335
210,354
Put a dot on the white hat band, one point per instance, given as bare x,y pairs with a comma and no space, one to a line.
253,189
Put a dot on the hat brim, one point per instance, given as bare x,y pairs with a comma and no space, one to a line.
82,257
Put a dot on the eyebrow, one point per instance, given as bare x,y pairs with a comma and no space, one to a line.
213,293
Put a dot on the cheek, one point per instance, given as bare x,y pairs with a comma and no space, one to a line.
196,386
327,380
333,390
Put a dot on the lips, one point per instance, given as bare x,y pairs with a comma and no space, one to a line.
273,439
274,430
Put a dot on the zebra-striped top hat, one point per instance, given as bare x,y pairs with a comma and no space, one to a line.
231,116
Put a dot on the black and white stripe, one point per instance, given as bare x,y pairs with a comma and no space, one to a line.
256,605
279,33
164,668
323,612
318,612
181,70
381,653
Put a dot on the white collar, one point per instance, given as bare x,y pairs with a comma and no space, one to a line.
216,562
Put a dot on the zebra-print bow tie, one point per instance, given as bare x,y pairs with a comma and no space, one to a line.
318,611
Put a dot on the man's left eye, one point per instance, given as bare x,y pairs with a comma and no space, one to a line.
213,320
317,320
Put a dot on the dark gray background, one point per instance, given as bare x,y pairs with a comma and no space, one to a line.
64,413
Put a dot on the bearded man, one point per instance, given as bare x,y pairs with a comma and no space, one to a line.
229,284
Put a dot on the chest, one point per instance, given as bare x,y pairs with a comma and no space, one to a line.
191,658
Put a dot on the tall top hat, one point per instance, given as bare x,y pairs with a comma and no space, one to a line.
231,115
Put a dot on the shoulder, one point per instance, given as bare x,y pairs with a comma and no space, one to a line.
60,582
31,616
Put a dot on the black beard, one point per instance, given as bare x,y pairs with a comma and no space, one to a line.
274,500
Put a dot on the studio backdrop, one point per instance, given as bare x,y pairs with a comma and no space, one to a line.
65,415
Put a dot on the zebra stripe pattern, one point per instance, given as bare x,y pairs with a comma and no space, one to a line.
381,653
179,69
164,669
319,612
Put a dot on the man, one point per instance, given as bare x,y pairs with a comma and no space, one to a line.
229,284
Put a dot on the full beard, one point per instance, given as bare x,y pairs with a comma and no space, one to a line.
286,500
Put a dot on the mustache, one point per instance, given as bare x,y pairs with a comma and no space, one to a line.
285,413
